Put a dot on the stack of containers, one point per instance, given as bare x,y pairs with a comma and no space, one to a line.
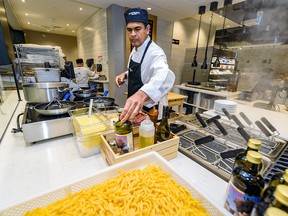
87,130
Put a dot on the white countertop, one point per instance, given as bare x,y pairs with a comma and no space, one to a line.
26,171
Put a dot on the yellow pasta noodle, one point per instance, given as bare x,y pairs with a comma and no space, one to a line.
149,191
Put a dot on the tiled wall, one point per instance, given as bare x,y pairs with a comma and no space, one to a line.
186,31
92,40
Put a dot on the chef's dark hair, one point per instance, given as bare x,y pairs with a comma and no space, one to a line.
79,61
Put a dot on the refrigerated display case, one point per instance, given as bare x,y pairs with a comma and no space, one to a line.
224,75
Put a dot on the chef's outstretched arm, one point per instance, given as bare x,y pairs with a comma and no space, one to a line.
133,105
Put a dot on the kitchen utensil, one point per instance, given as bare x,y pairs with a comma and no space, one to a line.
43,92
200,119
204,140
246,119
263,128
270,126
210,120
47,75
176,128
237,121
220,127
100,102
85,93
231,153
55,107
227,114
243,133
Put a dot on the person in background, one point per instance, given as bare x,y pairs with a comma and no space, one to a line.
148,74
82,74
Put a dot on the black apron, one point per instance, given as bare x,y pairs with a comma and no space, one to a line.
134,76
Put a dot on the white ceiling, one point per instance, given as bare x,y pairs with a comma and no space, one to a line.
53,15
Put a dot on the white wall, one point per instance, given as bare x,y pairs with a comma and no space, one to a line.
186,31
92,40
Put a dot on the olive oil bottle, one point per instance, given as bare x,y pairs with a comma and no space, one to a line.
245,186
280,197
163,130
124,136
252,145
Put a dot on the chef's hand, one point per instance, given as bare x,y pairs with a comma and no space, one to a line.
120,79
133,105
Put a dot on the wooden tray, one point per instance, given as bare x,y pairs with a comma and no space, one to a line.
168,149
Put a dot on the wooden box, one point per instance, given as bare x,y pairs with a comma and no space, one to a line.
168,149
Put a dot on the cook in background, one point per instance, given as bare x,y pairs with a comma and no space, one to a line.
148,74
82,74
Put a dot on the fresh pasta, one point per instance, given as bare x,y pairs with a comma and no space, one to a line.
149,191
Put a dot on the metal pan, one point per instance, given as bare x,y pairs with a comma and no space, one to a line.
55,108
84,93
100,102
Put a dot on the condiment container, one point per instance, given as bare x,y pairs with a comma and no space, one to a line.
146,133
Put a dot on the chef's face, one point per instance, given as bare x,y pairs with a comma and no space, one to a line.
137,33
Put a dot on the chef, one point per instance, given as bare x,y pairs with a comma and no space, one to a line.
148,74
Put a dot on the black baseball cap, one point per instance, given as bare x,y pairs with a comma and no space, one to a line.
136,15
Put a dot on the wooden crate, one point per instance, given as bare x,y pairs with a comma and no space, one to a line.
168,149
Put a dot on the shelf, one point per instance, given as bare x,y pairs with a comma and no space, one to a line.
203,108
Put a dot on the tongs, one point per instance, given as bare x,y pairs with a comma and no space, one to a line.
51,102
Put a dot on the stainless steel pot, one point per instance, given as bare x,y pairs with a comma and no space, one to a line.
43,92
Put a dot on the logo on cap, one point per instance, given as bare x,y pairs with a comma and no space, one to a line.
134,13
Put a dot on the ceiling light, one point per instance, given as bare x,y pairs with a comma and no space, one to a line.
47,30
67,24
149,9
81,8
26,14
23,1
73,31
28,23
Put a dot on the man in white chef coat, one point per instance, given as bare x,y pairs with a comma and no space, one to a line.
82,74
148,74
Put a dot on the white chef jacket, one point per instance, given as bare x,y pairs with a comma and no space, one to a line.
82,76
156,76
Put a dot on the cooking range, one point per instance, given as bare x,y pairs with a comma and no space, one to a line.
216,150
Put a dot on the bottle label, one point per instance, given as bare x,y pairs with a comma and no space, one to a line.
237,202
125,141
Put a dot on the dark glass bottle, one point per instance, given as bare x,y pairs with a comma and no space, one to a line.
268,193
252,145
276,179
163,130
281,197
124,136
245,186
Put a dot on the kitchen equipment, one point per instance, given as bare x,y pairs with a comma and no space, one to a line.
47,74
37,127
85,93
43,92
54,107
100,102
230,106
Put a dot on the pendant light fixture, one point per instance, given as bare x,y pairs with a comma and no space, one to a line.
201,11
213,7
227,3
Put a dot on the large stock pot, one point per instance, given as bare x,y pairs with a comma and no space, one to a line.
43,92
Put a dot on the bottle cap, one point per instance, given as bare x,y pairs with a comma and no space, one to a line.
281,194
254,157
147,124
272,211
285,176
254,144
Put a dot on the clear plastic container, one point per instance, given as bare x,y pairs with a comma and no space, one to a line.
87,130
146,133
